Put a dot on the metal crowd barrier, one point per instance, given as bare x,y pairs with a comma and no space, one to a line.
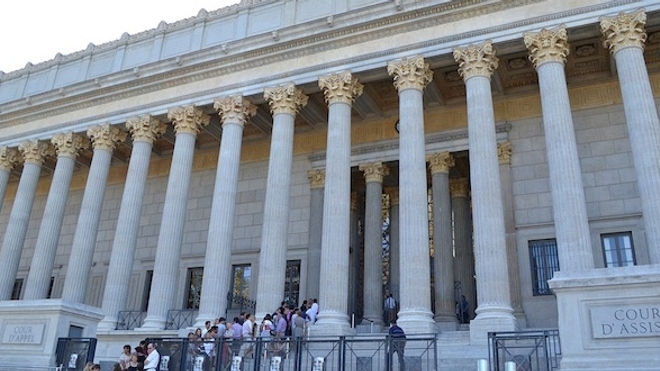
528,350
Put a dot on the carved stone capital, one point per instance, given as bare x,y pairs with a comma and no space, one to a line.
316,178
234,109
440,162
35,151
340,88
285,99
69,144
459,187
374,171
476,60
106,136
410,73
145,128
504,151
547,46
8,158
393,192
624,30
188,119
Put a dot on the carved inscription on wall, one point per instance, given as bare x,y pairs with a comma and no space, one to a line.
23,333
625,321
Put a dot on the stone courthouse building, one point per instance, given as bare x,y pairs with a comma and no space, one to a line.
505,150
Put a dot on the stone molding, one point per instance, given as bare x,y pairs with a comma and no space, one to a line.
316,178
340,88
440,162
410,73
623,31
476,60
69,144
145,128
9,157
374,171
504,152
106,136
547,46
188,119
235,109
35,151
285,99
459,187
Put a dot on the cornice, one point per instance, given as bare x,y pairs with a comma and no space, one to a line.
333,39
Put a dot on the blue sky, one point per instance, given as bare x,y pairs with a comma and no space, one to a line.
34,31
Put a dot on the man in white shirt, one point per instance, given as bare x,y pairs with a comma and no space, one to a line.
248,336
153,357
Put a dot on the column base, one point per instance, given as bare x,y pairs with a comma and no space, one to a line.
107,324
416,322
491,318
152,323
446,322
331,325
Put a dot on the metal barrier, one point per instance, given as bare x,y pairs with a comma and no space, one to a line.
22,368
341,354
74,353
130,319
528,350
180,318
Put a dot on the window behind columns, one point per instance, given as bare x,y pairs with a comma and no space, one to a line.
292,283
194,287
147,289
16,291
50,287
240,286
544,262
618,249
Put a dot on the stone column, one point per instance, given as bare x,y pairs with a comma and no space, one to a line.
34,153
464,262
504,155
443,262
548,50
187,121
373,241
68,145
317,185
234,111
625,37
104,139
144,129
285,102
395,253
410,78
494,312
8,159
356,253
340,91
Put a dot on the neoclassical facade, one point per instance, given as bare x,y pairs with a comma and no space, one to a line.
505,151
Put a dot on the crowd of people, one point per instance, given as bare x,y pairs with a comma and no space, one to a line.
143,357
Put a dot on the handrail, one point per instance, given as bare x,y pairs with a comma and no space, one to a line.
130,319
180,318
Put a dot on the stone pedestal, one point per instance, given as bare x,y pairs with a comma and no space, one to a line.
609,319
30,329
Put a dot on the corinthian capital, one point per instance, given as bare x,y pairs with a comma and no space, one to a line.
504,151
476,60
459,187
410,73
624,30
340,88
145,128
285,99
316,178
547,46
234,109
8,158
106,136
69,144
188,119
374,171
440,162
35,151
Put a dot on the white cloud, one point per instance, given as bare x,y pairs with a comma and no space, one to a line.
35,31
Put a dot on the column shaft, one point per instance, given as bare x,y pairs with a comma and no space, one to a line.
395,253
315,234
8,158
464,262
